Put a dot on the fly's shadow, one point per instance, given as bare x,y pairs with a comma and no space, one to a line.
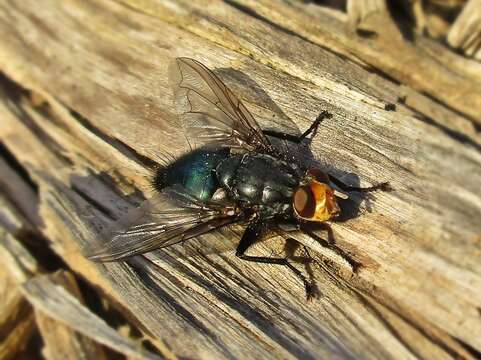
299,152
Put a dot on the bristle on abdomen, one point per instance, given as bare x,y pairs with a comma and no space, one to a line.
159,180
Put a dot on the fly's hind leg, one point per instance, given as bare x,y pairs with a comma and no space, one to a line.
298,138
253,233
385,186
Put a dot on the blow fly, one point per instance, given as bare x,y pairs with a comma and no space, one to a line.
236,176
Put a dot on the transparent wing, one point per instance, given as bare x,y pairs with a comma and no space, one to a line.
166,219
210,111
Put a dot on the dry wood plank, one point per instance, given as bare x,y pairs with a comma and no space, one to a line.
19,213
465,34
422,64
17,322
109,112
16,260
58,303
359,11
60,341
24,213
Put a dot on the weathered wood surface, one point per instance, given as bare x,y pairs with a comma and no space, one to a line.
465,34
59,339
17,322
55,303
85,107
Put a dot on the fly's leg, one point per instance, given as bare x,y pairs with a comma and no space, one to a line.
385,186
297,139
253,233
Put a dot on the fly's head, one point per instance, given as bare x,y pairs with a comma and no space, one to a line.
314,199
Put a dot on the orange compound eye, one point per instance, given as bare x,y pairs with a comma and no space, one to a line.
304,202
315,202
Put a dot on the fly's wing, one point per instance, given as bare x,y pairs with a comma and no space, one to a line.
166,219
211,113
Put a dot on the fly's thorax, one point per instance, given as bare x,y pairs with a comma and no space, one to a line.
259,180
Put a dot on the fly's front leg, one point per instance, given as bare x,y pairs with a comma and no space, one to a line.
297,139
251,235
385,186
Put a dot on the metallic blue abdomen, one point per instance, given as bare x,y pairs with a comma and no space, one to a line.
194,172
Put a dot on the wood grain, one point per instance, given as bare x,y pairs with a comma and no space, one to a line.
57,303
106,114
17,322
465,34
60,339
